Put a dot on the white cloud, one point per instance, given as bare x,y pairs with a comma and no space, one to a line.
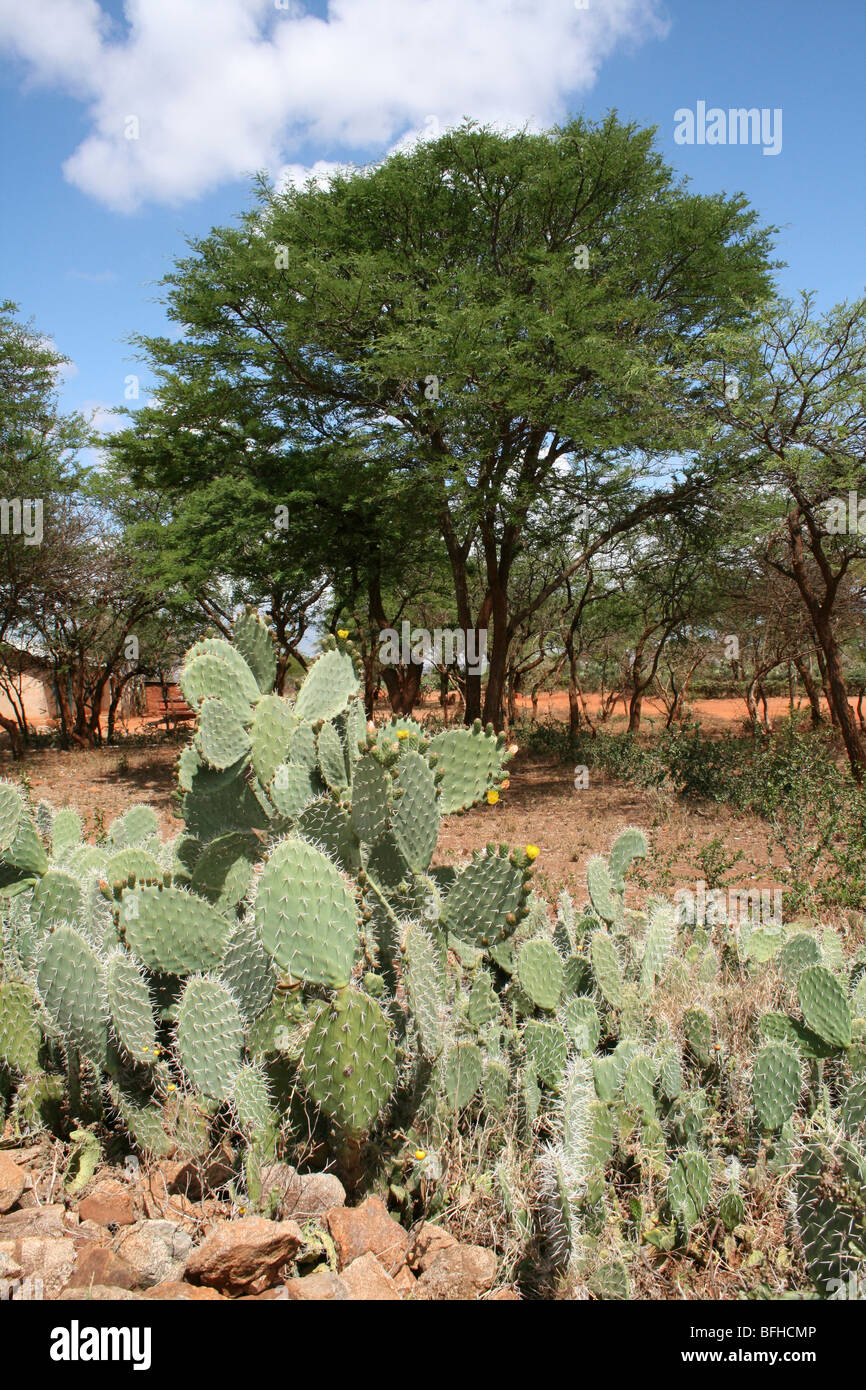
221,89
102,417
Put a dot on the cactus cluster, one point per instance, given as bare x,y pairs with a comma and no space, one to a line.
288,947
293,970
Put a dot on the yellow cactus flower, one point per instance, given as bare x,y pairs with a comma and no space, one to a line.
532,851
492,798
343,632
171,1086
420,1155
402,733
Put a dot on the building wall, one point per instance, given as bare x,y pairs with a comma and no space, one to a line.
37,698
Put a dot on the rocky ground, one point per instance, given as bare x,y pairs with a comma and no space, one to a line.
153,1233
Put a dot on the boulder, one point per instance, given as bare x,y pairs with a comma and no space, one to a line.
300,1196
98,1265
12,1182
459,1272
322,1286
108,1203
428,1242
46,1264
155,1250
176,1291
368,1230
53,1220
99,1293
366,1279
244,1256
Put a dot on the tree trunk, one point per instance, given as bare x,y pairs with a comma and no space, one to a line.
402,681
403,684
635,702
825,685
851,737
443,695
811,690
12,729
514,682
762,696
498,658
635,706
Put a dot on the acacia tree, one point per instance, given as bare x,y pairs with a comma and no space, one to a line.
802,421
493,314
39,467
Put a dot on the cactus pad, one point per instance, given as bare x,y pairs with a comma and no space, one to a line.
348,1064
307,916
461,1074
606,968
689,1184
173,932
540,972
824,1004
130,1008
210,1036
776,1084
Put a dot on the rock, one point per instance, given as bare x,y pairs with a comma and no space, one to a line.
10,1269
109,1203
426,1244
368,1230
275,1295
12,1182
319,1193
171,1179
155,1250
88,1233
244,1256
301,1196
26,1157
46,1221
460,1272
365,1278
405,1281
175,1291
99,1293
504,1296
98,1265
321,1286
46,1263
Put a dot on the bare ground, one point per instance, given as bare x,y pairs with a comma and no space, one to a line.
541,806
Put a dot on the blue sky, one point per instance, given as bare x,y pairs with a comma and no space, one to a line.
89,221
